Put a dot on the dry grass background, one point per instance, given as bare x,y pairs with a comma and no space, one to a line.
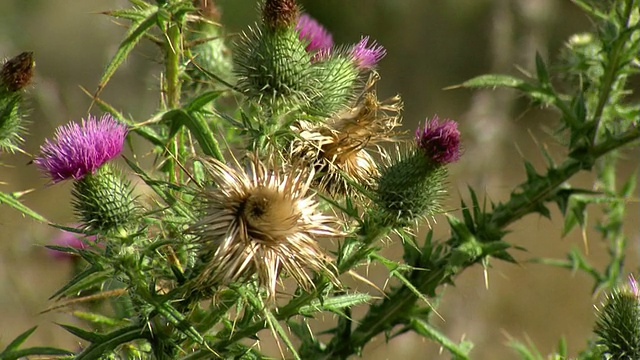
431,45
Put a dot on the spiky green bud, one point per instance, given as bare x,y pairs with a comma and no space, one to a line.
104,201
618,325
337,76
209,52
16,73
410,188
273,65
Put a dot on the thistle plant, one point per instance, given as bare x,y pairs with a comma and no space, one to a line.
253,216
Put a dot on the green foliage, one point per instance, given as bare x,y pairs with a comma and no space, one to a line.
147,277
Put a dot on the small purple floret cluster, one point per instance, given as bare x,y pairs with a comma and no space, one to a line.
367,56
317,37
439,140
80,149
320,42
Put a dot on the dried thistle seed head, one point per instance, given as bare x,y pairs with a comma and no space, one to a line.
343,145
17,72
262,222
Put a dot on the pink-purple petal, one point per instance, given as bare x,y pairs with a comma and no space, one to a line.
365,55
311,31
80,149
440,141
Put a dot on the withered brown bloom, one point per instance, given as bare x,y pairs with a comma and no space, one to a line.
341,148
16,73
261,222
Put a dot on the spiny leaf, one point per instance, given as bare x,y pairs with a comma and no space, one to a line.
15,344
84,280
459,351
34,351
179,321
136,32
12,200
543,73
82,334
112,340
195,122
275,327
202,100
335,304
525,351
99,319
494,81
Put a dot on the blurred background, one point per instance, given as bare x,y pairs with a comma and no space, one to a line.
431,44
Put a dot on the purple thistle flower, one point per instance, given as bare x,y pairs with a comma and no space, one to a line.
439,141
314,33
78,150
367,56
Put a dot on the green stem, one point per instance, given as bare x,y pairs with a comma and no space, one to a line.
173,52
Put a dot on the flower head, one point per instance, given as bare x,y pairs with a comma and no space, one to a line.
314,33
367,56
259,221
440,141
78,150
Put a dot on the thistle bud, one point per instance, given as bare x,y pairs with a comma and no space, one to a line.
618,324
15,75
411,187
210,54
271,61
338,73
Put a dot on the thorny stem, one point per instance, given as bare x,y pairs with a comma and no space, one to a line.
612,70
173,52
392,310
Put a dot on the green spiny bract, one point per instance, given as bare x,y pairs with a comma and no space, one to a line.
410,188
103,200
210,54
618,326
274,66
336,78
15,75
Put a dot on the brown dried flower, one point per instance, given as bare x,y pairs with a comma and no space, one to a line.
260,221
17,72
340,149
